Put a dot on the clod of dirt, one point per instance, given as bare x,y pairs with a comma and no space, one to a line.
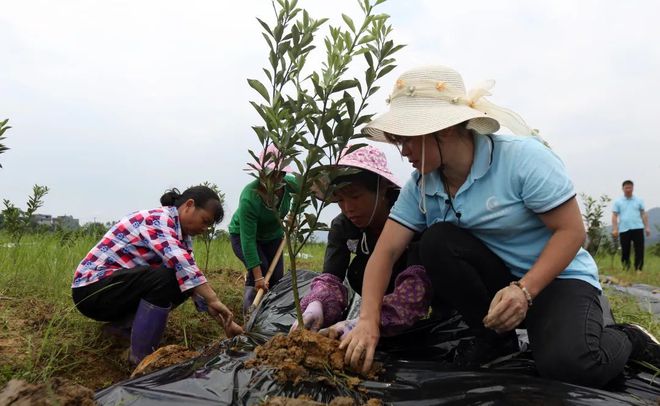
302,351
307,401
164,357
56,391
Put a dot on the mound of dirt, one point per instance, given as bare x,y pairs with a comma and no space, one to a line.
297,355
56,391
164,357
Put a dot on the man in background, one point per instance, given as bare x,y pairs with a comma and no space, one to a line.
629,223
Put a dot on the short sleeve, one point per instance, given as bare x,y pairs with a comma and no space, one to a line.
406,209
616,209
545,184
641,205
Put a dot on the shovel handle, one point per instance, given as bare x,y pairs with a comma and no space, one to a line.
271,268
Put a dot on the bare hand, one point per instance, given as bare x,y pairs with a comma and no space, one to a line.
233,329
507,309
261,284
220,313
648,232
360,344
615,233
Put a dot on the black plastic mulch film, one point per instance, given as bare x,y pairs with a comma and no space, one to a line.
416,372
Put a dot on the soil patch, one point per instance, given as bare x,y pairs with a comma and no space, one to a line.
56,391
306,356
164,357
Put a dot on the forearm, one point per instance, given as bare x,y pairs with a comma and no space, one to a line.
555,257
615,222
256,272
205,291
645,220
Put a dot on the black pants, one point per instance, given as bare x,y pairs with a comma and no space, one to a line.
266,250
635,236
565,324
119,295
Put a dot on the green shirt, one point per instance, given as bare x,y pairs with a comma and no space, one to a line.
254,221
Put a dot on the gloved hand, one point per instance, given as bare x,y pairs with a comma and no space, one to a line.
339,330
312,317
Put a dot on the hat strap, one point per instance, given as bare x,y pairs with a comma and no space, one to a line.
363,243
422,190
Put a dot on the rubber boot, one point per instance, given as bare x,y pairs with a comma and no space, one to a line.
249,294
120,329
148,328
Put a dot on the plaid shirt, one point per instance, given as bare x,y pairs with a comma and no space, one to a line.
147,237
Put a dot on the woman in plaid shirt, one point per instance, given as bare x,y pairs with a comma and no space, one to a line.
144,266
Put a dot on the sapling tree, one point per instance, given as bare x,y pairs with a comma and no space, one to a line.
3,127
212,232
16,221
315,110
593,218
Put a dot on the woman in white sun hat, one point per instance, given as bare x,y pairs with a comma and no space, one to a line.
502,235
365,190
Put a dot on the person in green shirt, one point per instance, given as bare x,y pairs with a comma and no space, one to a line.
256,229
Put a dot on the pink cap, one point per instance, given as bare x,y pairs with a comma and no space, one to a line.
273,155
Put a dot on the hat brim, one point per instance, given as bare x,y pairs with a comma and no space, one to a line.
388,176
414,120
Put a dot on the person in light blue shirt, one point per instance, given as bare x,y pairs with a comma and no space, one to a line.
629,222
502,236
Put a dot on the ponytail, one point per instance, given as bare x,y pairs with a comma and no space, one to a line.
170,197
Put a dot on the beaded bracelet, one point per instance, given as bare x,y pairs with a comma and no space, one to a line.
522,287
258,279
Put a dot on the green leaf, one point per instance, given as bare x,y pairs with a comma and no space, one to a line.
259,87
348,22
344,84
265,27
385,71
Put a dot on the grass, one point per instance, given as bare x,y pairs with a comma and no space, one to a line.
42,334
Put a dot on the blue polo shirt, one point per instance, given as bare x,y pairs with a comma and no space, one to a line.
630,213
513,179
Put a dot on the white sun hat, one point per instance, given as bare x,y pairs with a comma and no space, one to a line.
428,99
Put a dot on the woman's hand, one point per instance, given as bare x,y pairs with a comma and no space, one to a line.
233,329
312,317
261,284
339,330
507,309
220,313
360,344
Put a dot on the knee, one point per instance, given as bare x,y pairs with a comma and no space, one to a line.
571,365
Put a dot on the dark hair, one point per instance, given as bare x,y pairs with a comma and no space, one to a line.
627,182
202,196
368,180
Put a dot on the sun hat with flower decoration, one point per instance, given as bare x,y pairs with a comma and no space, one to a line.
428,99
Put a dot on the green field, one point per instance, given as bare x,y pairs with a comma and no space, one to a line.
42,334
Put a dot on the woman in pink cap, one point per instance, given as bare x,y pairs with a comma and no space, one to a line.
255,229
365,197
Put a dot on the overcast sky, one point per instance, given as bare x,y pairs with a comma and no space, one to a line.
112,102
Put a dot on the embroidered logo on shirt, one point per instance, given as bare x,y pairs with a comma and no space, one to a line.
492,203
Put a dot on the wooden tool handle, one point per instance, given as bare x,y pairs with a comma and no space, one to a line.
271,268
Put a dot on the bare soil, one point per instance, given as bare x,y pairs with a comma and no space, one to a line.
306,356
57,391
